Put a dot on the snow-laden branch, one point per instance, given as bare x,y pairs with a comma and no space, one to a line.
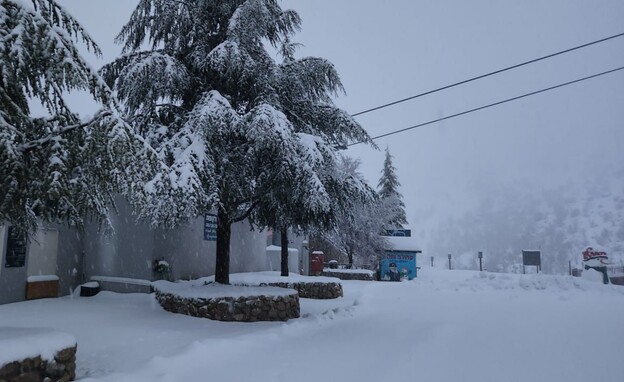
59,131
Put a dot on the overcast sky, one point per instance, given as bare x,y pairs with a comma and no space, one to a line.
388,50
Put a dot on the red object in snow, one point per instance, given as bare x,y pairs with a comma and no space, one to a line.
316,263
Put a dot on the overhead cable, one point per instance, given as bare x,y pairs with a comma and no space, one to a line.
490,74
495,104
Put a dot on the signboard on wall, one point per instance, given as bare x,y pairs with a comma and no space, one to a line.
398,266
210,227
16,249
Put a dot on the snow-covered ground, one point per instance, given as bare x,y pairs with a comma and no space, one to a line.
443,326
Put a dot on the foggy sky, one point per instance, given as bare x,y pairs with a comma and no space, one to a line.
393,49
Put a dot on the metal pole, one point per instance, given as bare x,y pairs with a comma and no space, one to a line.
481,261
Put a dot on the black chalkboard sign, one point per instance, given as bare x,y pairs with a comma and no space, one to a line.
532,258
16,249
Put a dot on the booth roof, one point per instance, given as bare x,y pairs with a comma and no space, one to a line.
398,243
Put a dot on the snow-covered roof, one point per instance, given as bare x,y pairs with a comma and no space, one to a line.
398,243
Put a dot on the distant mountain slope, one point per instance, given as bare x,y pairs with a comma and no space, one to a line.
560,222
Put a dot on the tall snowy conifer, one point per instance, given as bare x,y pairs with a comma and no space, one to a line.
56,168
315,192
206,95
388,191
357,233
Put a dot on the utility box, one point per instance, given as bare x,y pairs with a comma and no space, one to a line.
316,263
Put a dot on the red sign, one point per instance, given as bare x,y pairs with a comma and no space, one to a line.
590,254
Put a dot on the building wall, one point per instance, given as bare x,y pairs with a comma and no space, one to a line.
12,280
132,248
126,251
188,255
70,259
65,252
191,257
129,252
247,249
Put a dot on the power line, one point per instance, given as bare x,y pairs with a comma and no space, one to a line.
489,74
495,104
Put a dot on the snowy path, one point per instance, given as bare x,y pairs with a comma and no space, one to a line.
444,326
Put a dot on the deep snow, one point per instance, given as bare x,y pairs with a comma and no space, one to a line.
442,326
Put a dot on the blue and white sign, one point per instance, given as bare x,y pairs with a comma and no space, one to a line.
210,227
398,266
399,232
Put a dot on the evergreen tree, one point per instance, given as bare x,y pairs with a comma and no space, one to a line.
357,233
207,96
315,193
56,168
388,191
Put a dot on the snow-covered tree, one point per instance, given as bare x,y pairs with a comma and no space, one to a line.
59,167
358,232
389,193
208,96
313,194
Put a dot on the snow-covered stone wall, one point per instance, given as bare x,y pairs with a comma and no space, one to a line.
29,354
307,286
319,291
228,302
350,274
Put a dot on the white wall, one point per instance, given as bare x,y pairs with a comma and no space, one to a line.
43,253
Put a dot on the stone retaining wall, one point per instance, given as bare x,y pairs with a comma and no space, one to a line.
242,309
349,275
62,368
319,291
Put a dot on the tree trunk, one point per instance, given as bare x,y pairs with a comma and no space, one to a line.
284,243
350,257
224,231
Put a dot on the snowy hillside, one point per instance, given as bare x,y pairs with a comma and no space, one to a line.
561,222
442,326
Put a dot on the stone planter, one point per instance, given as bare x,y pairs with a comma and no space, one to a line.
241,305
346,274
61,368
318,291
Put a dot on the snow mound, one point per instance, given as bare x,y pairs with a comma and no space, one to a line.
474,281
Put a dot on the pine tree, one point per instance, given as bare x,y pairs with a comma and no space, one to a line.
207,96
388,191
56,168
357,233
315,193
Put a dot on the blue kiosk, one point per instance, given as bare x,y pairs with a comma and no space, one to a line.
398,262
